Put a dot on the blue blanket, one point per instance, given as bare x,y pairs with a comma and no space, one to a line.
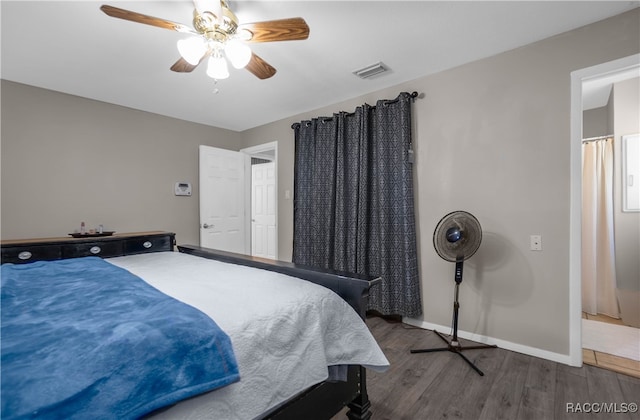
84,339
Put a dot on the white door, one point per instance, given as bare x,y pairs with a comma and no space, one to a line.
222,215
263,210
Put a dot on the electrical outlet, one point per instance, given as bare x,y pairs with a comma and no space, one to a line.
535,242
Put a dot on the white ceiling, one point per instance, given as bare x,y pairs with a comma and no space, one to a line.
73,47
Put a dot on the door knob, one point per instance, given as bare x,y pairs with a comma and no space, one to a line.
207,226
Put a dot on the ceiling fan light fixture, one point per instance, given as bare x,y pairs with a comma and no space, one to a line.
215,26
192,49
238,53
217,68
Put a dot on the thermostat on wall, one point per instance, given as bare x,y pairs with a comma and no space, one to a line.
183,188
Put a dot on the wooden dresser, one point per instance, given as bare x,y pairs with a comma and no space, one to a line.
29,250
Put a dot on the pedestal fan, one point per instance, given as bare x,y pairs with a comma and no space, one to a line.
456,238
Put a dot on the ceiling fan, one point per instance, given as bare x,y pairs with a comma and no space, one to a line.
216,34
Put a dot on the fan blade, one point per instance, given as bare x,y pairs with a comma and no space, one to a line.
260,68
147,20
291,29
183,66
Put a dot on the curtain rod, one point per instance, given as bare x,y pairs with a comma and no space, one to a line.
608,136
413,95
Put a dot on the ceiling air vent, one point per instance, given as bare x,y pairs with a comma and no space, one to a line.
370,71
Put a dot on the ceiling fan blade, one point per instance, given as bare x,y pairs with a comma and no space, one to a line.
260,68
291,29
147,20
183,66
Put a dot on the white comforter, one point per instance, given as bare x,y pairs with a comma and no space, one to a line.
285,331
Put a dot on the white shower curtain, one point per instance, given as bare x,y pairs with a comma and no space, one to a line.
598,253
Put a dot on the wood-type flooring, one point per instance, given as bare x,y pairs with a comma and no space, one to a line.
441,385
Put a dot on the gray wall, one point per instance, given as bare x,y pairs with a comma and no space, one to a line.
595,122
67,159
491,137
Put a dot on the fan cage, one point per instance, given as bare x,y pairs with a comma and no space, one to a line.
468,244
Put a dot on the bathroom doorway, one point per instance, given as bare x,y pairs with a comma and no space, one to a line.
591,119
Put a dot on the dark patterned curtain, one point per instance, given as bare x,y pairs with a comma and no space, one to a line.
353,200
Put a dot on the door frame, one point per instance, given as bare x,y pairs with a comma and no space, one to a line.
578,77
259,151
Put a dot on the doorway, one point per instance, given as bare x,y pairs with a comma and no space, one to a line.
222,203
261,196
581,80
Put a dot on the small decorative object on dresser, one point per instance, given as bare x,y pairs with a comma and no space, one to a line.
92,235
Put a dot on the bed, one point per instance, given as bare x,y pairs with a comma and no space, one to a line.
299,349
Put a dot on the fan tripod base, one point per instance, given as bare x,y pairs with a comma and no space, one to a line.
455,347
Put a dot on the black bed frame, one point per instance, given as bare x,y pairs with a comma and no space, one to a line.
321,401
326,399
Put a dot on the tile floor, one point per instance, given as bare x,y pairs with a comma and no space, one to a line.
609,361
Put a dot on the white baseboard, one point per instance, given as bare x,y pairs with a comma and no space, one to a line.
519,348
